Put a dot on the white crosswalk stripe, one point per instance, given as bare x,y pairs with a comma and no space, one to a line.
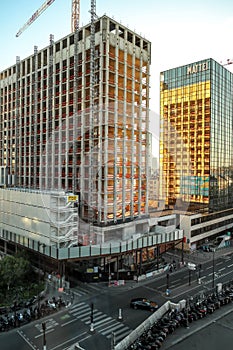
82,290
103,323
79,293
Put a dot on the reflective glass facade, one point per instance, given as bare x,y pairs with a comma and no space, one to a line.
196,108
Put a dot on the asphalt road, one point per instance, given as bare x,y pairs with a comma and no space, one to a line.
72,325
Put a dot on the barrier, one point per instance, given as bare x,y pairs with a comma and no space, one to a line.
147,324
116,283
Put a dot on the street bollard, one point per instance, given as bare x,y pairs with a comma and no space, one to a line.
92,318
120,317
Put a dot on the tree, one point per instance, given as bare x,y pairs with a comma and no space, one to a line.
13,270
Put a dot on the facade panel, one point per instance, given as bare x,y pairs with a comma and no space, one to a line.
196,136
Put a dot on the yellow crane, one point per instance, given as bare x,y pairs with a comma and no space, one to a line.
75,13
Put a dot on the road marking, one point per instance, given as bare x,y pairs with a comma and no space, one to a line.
230,265
72,339
102,321
119,336
101,325
40,335
210,267
79,306
26,340
80,294
221,269
81,314
71,321
107,330
219,263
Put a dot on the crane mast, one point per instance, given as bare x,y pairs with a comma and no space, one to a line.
75,15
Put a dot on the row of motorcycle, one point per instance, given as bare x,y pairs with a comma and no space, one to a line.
18,315
153,338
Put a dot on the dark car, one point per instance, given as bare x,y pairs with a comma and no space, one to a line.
143,303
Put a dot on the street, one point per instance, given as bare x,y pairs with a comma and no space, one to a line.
73,324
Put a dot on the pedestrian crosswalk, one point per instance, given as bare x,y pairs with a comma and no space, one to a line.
82,290
103,324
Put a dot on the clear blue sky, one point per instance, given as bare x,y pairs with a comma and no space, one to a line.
181,31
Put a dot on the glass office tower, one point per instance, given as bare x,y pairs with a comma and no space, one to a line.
196,144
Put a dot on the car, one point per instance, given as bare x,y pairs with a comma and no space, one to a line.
144,303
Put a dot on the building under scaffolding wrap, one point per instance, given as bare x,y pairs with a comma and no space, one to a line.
74,139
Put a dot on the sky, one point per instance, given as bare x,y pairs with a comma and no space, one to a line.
181,31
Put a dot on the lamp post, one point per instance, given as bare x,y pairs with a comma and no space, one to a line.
182,252
168,280
39,280
213,275
109,273
199,276
167,289
187,313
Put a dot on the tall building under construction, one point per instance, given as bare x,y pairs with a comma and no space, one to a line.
73,139
196,149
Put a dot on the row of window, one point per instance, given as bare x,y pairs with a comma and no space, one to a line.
211,227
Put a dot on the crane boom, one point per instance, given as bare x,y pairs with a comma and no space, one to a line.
75,14
227,62
35,15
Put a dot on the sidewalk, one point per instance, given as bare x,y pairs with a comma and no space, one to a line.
196,257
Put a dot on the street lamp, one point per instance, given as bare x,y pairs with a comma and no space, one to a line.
213,275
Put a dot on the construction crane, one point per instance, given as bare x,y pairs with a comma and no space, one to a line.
74,15
228,61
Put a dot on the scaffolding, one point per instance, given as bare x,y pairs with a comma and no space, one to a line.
81,111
